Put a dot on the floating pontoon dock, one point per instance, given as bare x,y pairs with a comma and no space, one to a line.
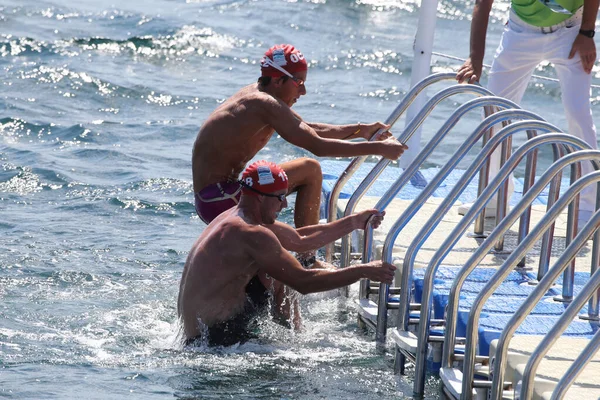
520,289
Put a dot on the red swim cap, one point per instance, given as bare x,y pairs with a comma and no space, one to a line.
285,56
264,176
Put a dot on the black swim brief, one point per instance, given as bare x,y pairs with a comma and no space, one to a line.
242,327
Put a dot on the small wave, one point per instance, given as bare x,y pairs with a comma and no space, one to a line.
15,129
23,47
186,41
75,80
162,208
385,60
385,5
23,182
162,184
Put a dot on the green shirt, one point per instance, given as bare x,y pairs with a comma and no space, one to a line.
537,14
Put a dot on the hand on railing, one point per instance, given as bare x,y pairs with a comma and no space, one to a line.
367,131
372,216
378,271
470,71
392,149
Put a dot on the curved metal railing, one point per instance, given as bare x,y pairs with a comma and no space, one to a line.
485,247
578,365
505,269
389,195
358,161
527,148
417,203
543,286
412,127
428,190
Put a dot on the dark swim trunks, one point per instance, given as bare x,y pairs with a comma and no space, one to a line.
242,327
215,199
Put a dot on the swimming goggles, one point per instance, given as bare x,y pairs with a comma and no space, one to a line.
297,81
280,197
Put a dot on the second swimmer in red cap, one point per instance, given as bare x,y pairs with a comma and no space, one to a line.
223,294
241,126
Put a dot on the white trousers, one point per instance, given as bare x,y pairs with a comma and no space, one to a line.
521,49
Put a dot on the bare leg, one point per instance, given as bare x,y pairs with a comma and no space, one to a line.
305,178
286,306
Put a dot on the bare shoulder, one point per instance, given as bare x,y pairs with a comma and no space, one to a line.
251,93
263,99
258,235
255,239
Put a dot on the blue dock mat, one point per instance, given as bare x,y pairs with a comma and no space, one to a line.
507,298
332,169
491,326
505,301
476,280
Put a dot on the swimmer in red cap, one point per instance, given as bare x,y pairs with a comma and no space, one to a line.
242,125
223,292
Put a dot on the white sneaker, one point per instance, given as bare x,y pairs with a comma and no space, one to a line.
490,210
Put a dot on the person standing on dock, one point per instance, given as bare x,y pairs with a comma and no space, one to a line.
537,31
241,126
226,282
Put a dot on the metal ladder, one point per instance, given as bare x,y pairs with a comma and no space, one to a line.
406,340
450,374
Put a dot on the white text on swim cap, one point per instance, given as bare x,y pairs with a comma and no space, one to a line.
265,176
279,57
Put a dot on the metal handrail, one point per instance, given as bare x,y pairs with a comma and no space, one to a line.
505,269
542,287
485,247
577,367
590,288
358,161
389,195
436,260
411,128
416,204
428,190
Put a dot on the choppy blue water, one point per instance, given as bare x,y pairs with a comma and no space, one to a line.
99,106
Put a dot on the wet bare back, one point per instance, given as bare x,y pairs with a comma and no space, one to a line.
217,270
238,128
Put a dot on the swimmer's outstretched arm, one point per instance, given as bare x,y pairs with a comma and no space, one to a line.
313,237
352,131
282,266
295,131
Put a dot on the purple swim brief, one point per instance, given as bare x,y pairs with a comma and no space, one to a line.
217,198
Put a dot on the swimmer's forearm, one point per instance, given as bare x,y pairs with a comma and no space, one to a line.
321,280
340,132
344,148
316,236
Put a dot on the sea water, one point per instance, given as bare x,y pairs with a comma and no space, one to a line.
100,103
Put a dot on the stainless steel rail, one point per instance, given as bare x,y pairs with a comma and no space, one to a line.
428,190
486,246
523,151
505,269
575,369
542,287
572,310
416,204
389,195
412,127
357,162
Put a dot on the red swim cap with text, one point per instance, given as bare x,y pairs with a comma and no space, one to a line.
264,176
285,56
